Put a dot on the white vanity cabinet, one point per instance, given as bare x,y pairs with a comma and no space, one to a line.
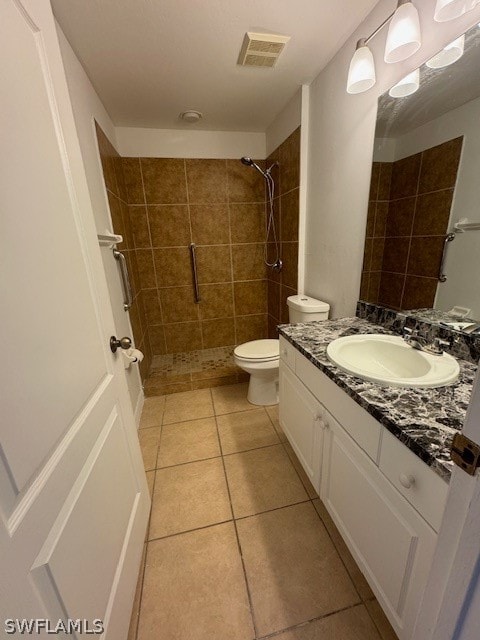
301,420
384,500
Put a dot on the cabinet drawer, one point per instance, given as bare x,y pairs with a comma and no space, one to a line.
427,491
287,353
359,424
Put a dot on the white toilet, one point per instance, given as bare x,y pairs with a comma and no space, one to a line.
260,358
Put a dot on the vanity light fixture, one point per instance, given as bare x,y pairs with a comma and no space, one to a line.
403,40
361,74
407,85
450,9
450,54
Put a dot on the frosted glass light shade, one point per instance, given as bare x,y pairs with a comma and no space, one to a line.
450,9
450,54
361,74
403,38
406,86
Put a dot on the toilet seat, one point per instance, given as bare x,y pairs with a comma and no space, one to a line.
258,350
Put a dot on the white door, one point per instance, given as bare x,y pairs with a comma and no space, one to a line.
73,495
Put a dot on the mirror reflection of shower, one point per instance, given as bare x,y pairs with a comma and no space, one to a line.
277,264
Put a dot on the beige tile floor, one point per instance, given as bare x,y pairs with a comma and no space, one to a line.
239,545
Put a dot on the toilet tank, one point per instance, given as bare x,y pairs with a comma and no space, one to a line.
302,308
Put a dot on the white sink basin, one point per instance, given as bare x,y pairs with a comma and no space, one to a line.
391,361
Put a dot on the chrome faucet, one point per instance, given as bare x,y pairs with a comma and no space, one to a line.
414,338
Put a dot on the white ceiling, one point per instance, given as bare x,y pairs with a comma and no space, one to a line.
151,59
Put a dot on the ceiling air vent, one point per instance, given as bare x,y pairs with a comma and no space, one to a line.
261,49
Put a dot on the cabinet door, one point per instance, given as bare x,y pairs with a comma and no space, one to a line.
301,420
392,544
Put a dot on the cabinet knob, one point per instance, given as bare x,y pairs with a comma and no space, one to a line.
321,420
406,481
284,352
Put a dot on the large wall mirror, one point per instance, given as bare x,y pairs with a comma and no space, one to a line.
422,247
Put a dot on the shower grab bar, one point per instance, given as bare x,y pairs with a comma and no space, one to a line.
193,257
127,289
442,277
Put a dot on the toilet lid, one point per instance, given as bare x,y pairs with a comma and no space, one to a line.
258,350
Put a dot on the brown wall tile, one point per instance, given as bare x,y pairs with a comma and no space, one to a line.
289,153
405,175
127,226
183,336
248,261
146,272
139,224
245,184
210,224
164,180
133,181
391,289
218,333
216,301
214,264
173,267
378,249
274,299
250,297
440,166
289,216
371,212
178,304
151,304
206,181
381,219
433,213
419,292
395,254
156,336
251,328
247,222
290,264
384,181
169,225
425,256
400,217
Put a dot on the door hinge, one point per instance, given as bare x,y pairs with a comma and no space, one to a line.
465,453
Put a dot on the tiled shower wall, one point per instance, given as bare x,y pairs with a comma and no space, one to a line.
287,181
408,214
117,198
220,206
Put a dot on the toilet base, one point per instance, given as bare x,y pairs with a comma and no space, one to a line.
262,389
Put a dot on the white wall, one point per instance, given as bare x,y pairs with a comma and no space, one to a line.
87,108
284,123
463,261
180,143
341,139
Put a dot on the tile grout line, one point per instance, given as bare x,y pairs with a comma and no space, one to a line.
234,520
300,625
239,546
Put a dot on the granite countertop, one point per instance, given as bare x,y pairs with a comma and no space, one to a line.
425,420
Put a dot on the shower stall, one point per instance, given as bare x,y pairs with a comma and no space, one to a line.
203,246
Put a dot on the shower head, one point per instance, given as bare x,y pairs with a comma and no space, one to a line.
250,163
